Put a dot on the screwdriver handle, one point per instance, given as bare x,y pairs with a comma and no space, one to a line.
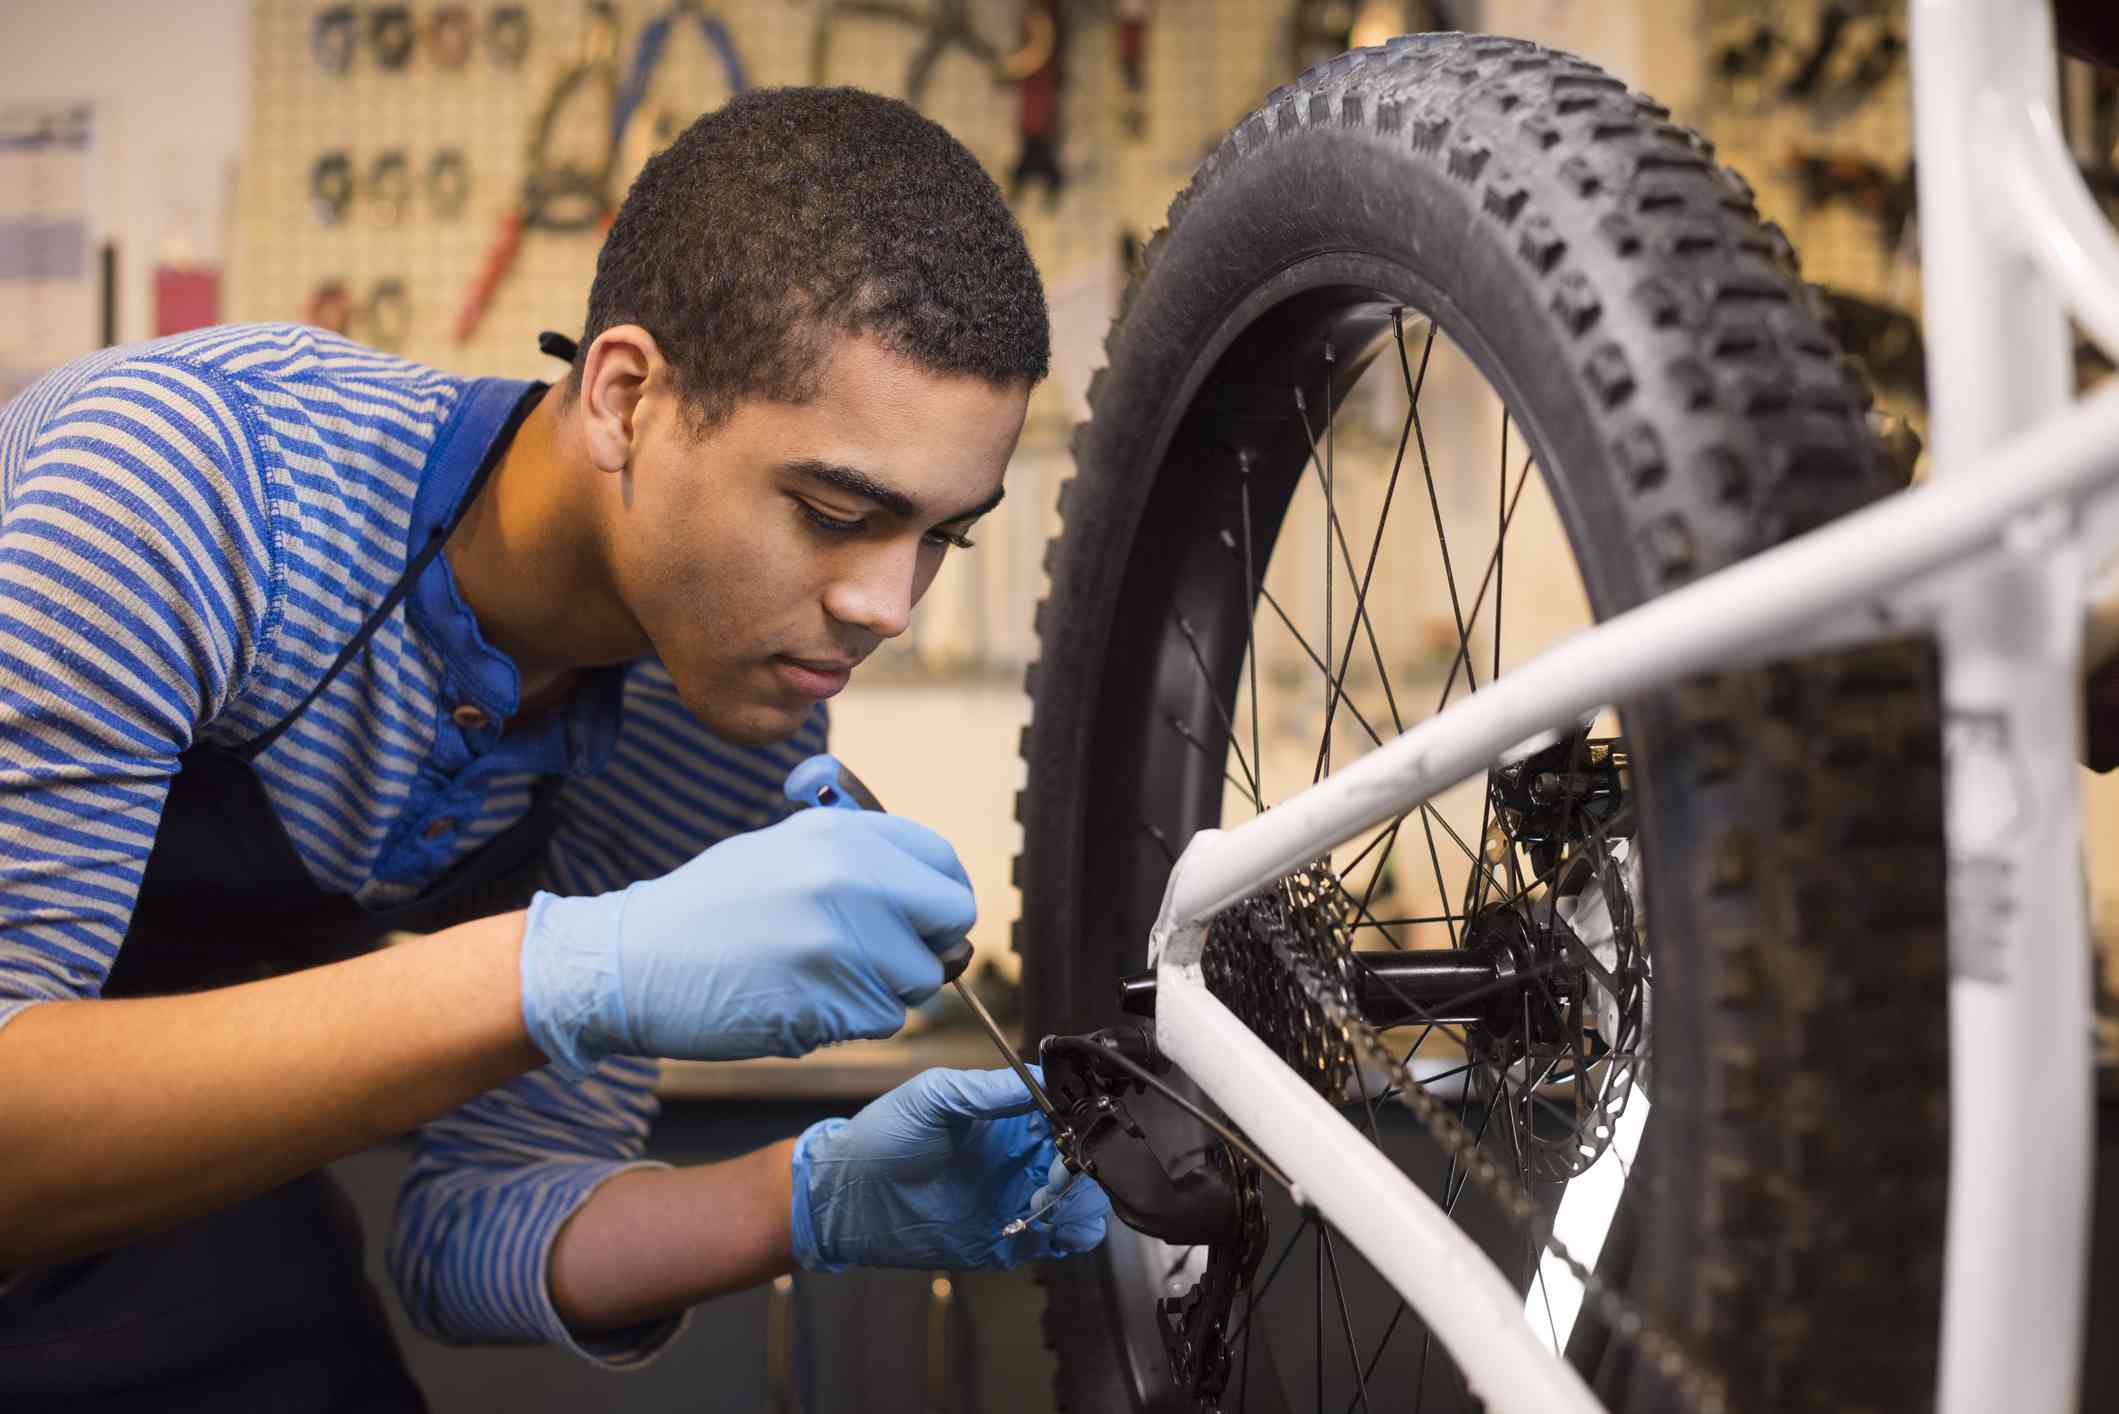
824,781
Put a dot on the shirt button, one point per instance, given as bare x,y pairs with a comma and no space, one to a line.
437,828
469,718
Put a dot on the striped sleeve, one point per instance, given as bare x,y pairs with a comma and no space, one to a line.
137,576
494,1182
489,1189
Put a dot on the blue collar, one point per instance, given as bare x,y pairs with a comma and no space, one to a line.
582,736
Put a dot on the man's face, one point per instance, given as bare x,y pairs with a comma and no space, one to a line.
767,559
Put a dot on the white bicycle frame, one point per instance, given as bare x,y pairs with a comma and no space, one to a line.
1994,554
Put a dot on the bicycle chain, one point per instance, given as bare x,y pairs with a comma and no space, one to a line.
1318,1030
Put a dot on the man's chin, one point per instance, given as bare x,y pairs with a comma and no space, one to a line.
748,723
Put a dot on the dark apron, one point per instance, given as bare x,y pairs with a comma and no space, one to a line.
263,1305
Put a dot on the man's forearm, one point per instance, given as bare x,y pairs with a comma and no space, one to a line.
127,1116
649,1243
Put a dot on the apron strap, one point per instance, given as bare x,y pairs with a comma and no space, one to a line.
250,750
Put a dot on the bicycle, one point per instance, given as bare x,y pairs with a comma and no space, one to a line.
1715,848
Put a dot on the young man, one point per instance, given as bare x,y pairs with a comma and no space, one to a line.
299,642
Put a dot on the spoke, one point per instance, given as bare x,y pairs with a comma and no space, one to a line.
1434,859
1154,832
1449,574
1317,1343
1368,573
1418,1042
1412,922
1500,558
1362,622
1412,385
1452,1195
1623,816
1515,1136
1250,777
1500,543
1250,638
1477,863
1366,850
1376,1358
1475,886
1177,724
1367,1104
1522,477
1441,1075
1315,661
1331,524
1531,1245
1258,1292
1376,875
1449,1208
1346,1321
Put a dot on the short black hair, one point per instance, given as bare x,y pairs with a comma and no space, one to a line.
792,216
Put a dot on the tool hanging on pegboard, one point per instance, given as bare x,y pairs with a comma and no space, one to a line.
946,27
566,196
1884,196
557,195
640,129
1038,107
508,36
1132,18
451,33
1857,45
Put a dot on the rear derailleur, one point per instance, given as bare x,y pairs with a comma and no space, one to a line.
1168,1176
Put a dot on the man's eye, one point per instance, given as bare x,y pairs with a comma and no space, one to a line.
830,524
954,539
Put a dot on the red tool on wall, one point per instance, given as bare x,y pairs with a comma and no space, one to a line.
561,196
1039,107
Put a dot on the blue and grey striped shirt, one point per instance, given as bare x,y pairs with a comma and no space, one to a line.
191,530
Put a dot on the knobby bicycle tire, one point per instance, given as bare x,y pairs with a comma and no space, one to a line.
1687,409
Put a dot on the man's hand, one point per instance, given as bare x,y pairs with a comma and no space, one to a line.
928,1175
821,928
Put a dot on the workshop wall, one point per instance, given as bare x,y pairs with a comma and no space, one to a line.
1812,102
332,109
163,140
1809,100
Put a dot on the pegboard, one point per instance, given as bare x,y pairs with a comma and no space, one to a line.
1205,65
1802,100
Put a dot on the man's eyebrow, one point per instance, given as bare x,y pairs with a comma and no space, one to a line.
855,482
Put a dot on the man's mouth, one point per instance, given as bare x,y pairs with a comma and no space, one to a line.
814,677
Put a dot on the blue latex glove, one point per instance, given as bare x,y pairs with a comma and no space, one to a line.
928,1175
821,928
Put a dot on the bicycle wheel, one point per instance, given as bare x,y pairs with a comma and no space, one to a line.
1752,860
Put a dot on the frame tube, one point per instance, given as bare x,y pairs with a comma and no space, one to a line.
1401,1231
2001,214
1885,570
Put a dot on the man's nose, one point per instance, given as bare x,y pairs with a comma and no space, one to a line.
876,593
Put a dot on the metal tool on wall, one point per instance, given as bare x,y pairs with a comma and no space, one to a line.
392,35
1886,197
1039,99
451,33
638,128
508,36
946,26
557,195
331,187
332,36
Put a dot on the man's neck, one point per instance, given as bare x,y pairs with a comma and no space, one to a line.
527,560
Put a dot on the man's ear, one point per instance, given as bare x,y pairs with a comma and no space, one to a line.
614,377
